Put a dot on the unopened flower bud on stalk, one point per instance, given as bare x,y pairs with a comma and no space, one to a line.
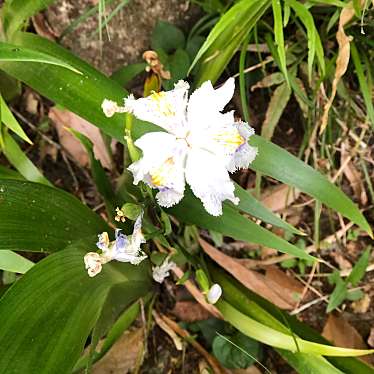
214,293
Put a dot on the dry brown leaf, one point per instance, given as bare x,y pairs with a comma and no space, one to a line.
342,334
341,261
361,306
251,370
190,311
291,287
279,197
123,356
352,174
371,337
42,27
252,280
168,330
342,60
64,118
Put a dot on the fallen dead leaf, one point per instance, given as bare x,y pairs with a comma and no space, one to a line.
123,356
168,330
361,306
254,281
42,27
279,197
251,370
64,118
342,334
32,102
352,174
341,261
342,60
371,337
190,311
291,287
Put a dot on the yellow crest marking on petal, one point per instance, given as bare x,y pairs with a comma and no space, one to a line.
163,106
160,175
231,139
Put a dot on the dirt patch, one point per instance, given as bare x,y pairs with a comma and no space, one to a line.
129,30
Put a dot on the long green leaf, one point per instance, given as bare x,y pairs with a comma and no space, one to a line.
278,36
9,121
226,37
35,217
267,313
279,164
232,224
82,94
314,41
362,79
10,52
277,339
20,161
6,173
48,314
11,261
15,13
252,206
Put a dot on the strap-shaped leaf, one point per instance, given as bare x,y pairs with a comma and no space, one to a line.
84,95
10,52
11,261
232,224
281,165
35,217
48,314
15,13
20,161
80,93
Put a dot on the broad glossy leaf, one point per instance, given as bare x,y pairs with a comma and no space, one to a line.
80,93
10,52
281,165
35,217
20,161
7,118
11,261
15,13
48,314
232,224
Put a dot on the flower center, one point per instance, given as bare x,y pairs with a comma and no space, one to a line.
162,105
160,175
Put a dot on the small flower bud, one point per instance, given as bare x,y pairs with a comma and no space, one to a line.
214,293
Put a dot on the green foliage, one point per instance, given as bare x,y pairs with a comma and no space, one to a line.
42,218
49,300
341,291
11,261
237,351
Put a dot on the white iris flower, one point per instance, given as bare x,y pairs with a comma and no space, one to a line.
201,145
124,249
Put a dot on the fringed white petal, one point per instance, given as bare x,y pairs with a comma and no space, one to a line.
169,197
245,153
209,180
206,102
164,109
162,164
